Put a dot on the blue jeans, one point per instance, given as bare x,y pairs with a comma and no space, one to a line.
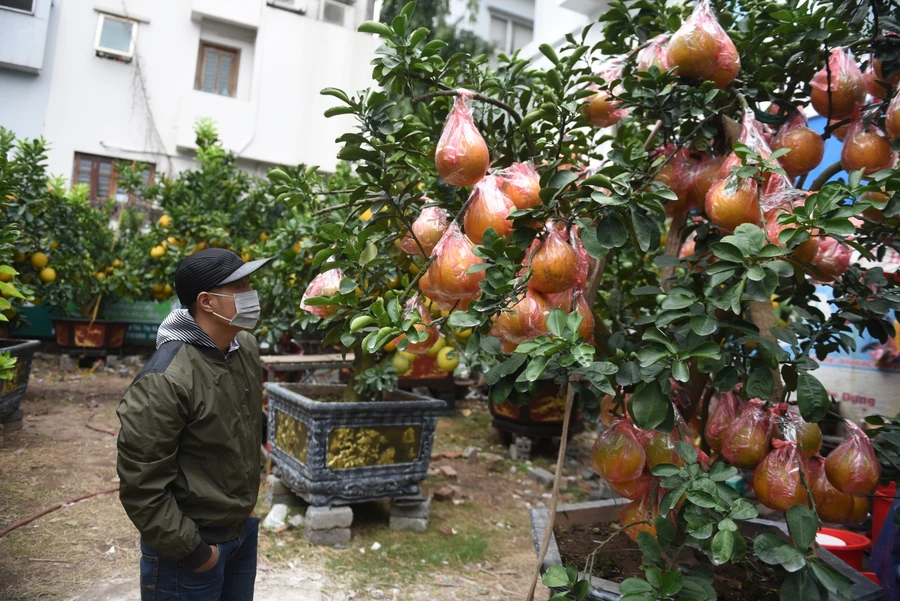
231,579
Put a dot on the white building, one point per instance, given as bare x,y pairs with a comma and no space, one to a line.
103,80
126,79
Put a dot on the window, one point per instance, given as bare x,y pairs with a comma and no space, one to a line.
217,69
115,38
334,11
100,175
25,6
509,34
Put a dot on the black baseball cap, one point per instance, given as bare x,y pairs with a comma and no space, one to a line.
207,269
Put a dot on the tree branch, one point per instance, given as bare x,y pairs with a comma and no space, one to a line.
826,175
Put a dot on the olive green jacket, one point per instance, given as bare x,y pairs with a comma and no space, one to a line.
189,446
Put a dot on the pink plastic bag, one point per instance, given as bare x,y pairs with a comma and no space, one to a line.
831,261
618,454
446,278
601,109
521,183
429,228
777,481
852,467
703,174
488,208
701,49
724,408
327,283
525,319
462,157
654,54
892,117
866,148
806,146
746,441
553,262
848,87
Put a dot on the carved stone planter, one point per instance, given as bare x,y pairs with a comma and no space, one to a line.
596,512
542,418
13,389
335,453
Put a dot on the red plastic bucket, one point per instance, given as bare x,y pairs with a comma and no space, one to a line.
881,505
852,552
871,576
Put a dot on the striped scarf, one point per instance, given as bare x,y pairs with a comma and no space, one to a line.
180,326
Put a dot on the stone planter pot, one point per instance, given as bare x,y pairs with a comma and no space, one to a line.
82,337
12,390
596,512
542,418
334,453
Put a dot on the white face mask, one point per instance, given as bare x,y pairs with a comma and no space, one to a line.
246,309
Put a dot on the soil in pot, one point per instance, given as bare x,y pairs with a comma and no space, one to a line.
751,580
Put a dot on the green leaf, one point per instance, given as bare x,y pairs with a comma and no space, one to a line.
536,368
649,547
722,546
556,321
634,585
760,383
686,451
799,586
547,50
650,355
680,371
664,470
555,577
611,232
629,373
648,405
728,252
458,319
561,179
368,254
782,269
707,350
339,110
802,523
749,238
765,545
704,325
376,28
812,398
833,581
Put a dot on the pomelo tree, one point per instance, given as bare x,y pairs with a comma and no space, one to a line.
632,222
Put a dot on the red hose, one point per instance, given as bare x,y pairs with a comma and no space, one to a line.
54,508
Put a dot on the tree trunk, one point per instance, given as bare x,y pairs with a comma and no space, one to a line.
673,246
361,362
763,317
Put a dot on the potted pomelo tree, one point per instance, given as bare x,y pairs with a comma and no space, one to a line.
666,239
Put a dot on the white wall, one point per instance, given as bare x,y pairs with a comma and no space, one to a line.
145,110
23,37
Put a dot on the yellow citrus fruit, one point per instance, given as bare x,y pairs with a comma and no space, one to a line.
366,215
157,252
47,275
414,269
400,363
165,221
10,313
437,346
448,359
390,346
263,236
464,334
39,260
167,289
393,281
296,248
6,294
100,275
54,245
246,257
202,246
6,277
172,240
409,356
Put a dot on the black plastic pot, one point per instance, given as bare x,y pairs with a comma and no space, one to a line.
335,453
12,390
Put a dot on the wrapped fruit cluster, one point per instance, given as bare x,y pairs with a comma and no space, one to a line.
601,109
866,148
806,146
702,50
462,157
846,83
427,229
446,281
327,283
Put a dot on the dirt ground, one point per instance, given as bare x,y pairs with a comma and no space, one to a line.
478,546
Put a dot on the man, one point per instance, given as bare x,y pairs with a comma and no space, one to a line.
191,432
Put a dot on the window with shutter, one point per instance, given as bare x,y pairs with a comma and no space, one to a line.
217,69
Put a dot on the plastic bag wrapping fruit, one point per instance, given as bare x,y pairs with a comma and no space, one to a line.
806,146
462,157
521,184
618,454
429,228
831,261
608,409
892,117
852,467
488,207
580,305
777,481
525,318
566,299
601,109
446,278
848,87
746,441
790,426
701,49
416,307
636,489
659,447
553,262
875,73
676,175
731,202
832,505
654,54
724,408
327,283
646,509
703,174
866,147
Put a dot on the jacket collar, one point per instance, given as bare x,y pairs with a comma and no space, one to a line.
180,326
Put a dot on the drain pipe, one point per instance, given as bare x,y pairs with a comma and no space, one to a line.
257,71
